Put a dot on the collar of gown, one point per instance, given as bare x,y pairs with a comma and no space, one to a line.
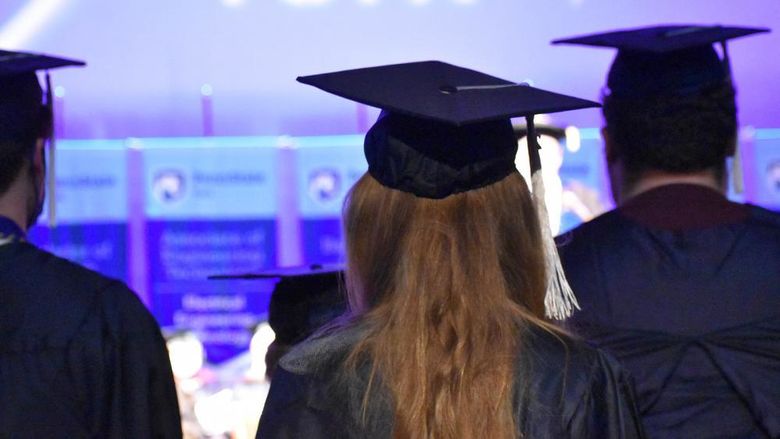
683,207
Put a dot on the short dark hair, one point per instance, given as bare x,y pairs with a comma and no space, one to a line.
673,133
23,119
13,155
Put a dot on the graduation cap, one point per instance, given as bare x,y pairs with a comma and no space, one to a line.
669,59
446,129
23,113
304,299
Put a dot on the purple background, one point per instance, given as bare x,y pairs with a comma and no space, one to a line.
148,59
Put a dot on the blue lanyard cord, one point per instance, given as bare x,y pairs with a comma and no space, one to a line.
10,232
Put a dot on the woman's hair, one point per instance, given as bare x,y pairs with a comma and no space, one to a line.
674,133
446,288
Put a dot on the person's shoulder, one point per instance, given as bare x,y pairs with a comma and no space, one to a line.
567,362
575,390
75,286
592,228
60,287
48,267
554,346
323,350
764,217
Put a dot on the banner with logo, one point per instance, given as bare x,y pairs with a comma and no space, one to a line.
210,208
326,168
91,206
765,169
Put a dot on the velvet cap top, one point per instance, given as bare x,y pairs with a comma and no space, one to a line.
667,59
15,63
444,129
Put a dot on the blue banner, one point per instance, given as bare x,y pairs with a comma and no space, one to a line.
326,168
766,168
210,208
91,202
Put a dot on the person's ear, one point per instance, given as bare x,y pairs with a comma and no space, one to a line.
39,162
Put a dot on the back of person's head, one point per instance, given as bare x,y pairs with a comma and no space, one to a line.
446,286
670,102
23,120
673,133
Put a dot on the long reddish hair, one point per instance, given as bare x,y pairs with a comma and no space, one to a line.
446,288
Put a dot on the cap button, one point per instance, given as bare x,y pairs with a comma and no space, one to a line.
448,89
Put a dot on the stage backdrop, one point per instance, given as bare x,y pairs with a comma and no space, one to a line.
228,67
164,213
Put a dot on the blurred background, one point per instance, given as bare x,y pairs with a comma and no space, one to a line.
186,148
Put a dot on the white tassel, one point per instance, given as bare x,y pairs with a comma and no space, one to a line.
559,300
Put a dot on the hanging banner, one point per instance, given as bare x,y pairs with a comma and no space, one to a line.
327,167
210,208
91,214
766,168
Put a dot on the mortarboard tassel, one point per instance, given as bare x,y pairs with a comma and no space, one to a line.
737,178
52,176
559,300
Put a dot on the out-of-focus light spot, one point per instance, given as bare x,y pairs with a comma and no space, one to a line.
233,3
206,90
368,2
134,143
747,133
573,138
307,3
33,17
186,354
527,81
286,142
59,91
258,347
419,2
217,413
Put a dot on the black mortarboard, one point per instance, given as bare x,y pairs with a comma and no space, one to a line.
23,115
444,129
670,59
304,299
15,63
20,92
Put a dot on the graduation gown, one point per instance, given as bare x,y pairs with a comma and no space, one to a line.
683,287
80,356
563,389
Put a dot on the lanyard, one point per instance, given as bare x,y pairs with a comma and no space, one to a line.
10,232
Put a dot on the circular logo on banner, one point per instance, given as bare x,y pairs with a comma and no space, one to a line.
168,186
773,179
324,185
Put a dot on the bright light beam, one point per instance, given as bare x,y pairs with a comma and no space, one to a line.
30,19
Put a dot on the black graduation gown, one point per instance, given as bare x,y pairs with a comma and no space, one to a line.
80,356
683,287
564,389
